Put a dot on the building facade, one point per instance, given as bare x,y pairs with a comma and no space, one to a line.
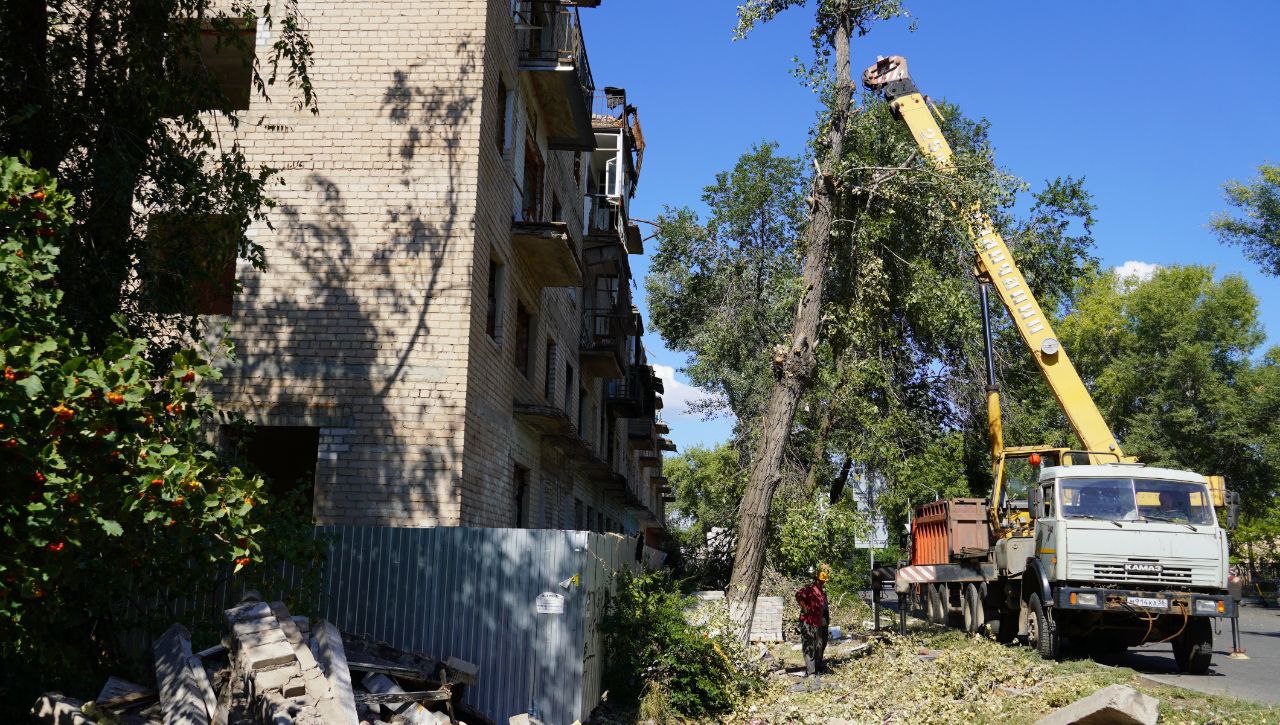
444,334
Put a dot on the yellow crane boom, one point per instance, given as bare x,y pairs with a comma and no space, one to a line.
995,264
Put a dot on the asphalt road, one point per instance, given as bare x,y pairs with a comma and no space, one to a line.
1254,679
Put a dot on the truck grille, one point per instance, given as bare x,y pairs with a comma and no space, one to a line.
1172,571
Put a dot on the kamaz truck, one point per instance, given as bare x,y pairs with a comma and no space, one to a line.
1088,546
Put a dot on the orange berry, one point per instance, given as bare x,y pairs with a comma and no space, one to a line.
38,195
189,376
73,497
115,398
63,412
157,482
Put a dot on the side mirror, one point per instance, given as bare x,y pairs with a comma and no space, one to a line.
1233,515
1033,503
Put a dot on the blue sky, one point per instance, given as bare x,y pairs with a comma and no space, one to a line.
1155,104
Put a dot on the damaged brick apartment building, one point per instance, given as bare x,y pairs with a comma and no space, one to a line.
445,334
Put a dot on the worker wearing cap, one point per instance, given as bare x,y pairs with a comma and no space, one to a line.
815,617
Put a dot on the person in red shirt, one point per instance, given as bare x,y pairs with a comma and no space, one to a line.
815,617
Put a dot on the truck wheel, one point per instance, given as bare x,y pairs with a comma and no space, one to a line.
937,610
1043,637
1193,649
971,603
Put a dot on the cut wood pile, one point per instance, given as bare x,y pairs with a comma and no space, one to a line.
277,669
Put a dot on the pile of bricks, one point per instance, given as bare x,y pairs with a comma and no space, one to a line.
274,667
277,669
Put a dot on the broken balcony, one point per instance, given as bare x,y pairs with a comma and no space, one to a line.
548,251
623,395
602,347
553,58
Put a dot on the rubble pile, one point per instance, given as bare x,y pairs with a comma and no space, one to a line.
277,669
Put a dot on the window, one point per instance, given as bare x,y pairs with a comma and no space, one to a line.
578,522
577,171
549,383
557,211
568,389
582,412
1184,503
591,518
220,70
190,263
600,523
531,191
524,321
608,524
493,315
503,107
286,456
1046,501
520,486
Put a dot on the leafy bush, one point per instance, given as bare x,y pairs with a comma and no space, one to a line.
651,648
113,505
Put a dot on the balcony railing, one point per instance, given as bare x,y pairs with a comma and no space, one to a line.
550,39
603,343
604,216
609,107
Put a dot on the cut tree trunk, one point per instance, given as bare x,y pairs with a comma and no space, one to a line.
793,368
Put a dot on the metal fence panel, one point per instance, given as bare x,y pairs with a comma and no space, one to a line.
470,593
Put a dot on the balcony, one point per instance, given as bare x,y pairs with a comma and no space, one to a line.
548,252
605,217
602,347
553,58
640,435
623,396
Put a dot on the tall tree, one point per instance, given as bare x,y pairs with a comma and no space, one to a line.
1256,226
836,21
114,97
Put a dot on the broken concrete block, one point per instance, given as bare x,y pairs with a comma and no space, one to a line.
246,613
463,671
523,719
274,678
55,708
116,687
326,646
200,678
263,656
1112,705
181,698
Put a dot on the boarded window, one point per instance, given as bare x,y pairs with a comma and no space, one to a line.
534,171
493,315
503,105
568,389
549,368
219,69
524,323
190,265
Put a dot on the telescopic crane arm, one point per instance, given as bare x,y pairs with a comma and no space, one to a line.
995,265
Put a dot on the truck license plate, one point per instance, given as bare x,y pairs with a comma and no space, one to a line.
1149,603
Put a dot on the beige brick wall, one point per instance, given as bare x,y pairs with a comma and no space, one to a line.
370,320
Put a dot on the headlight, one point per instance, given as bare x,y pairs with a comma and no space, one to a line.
1210,606
1083,599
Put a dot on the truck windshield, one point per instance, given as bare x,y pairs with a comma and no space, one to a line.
1097,498
1184,503
1124,499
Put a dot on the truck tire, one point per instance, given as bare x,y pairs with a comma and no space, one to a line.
971,604
937,607
1006,627
1193,649
1044,636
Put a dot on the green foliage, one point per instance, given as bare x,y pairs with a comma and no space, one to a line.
114,99
1169,361
727,289
804,526
112,504
1256,226
696,670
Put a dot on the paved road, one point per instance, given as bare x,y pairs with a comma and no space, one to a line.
1254,679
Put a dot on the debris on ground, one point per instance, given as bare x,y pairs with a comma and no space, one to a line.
1111,705
274,667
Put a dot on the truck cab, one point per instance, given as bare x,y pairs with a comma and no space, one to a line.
1124,555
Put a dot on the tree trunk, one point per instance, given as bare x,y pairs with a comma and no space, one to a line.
794,368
